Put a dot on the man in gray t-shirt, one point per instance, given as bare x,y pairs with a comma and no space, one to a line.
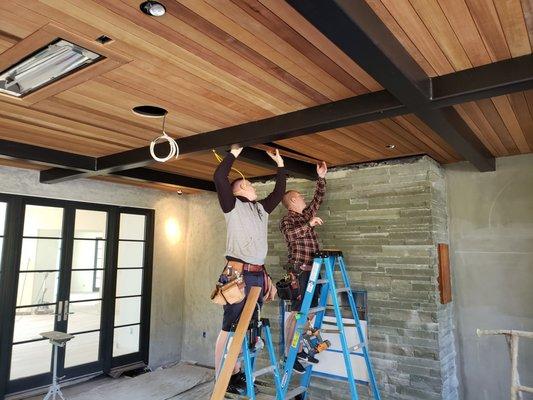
246,242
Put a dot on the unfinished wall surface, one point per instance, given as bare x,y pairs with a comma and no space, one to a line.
169,251
387,220
491,233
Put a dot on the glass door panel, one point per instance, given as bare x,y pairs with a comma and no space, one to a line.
130,268
37,292
86,288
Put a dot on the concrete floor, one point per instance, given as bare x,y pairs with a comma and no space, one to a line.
181,382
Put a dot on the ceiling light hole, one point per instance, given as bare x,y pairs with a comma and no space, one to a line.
149,111
390,146
153,8
104,39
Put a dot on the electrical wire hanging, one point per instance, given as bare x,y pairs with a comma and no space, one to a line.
174,149
219,159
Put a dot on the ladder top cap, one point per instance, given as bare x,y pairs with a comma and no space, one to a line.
328,253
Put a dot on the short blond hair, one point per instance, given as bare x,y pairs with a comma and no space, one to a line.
286,201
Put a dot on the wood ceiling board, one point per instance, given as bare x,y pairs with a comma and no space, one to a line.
300,25
524,113
21,164
38,118
512,19
503,122
125,30
195,42
451,35
54,139
474,117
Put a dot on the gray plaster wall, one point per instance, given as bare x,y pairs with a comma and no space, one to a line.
169,252
491,234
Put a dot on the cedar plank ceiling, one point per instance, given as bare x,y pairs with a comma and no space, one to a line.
219,63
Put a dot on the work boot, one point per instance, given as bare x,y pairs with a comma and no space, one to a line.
239,379
312,359
234,388
298,368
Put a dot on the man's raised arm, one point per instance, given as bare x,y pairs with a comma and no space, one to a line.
222,184
273,199
320,190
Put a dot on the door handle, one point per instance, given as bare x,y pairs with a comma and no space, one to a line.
65,311
59,313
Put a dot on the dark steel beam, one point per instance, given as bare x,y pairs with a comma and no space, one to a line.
490,80
295,168
354,110
354,27
45,156
156,176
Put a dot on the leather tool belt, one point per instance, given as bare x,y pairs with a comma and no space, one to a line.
239,267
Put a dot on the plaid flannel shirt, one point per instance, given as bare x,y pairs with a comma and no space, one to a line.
301,238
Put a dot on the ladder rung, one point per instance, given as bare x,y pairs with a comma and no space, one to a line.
263,371
321,281
344,289
315,310
295,392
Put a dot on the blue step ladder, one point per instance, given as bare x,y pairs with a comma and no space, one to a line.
329,260
251,350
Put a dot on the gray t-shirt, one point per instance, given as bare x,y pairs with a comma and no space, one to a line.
247,227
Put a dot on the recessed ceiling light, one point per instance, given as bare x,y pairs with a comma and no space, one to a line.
45,66
153,8
390,146
149,111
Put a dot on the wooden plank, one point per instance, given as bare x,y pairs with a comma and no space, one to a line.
306,30
489,144
285,71
527,8
419,128
459,17
414,27
524,116
436,22
445,286
489,26
42,119
200,44
509,119
487,132
493,117
514,26
388,19
270,20
236,344
134,35
328,85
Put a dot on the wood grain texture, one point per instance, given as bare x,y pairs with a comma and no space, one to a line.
445,285
232,354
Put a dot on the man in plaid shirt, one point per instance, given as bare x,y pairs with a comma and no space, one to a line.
298,228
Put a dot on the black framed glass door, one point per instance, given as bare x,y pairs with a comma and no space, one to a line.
79,268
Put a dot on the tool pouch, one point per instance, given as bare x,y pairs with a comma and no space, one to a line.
288,287
230,289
